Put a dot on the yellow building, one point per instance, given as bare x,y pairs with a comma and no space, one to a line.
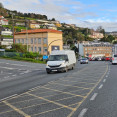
40,40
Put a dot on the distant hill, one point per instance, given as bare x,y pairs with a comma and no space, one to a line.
18,15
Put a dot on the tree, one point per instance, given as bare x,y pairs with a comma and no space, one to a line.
19,48
1,5
53,19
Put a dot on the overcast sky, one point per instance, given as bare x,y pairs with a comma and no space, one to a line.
83,13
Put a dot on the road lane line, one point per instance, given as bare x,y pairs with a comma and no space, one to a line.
7,68
16,109
14,75
82,113
94,96
100,86
6,77
104,80
8,97
51,101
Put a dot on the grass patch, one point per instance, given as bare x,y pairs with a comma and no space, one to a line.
24,59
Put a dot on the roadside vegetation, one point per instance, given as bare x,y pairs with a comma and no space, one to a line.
19,52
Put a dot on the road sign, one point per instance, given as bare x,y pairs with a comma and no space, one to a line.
45,57
2,50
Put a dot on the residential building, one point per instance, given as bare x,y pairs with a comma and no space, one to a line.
34,25
20,24
93,49
7,42
96,35
6,32
40,40
3,21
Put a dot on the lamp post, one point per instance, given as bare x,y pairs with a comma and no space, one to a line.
27,34
50,44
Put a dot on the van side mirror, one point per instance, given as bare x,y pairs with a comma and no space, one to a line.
67,59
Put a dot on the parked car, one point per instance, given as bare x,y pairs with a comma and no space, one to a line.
107,59
90,59
103,58
114,59
61,60
84,61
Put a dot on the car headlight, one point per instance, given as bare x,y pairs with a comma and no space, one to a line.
62,63
46,64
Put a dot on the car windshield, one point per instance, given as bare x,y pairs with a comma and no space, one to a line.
58,57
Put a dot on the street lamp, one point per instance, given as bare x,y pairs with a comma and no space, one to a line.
50,44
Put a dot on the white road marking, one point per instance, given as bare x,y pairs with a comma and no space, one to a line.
9,73
22,73
34,88
6,77
82,113
100,86
94,96
8,97
106,76
7,68
14,75
104,80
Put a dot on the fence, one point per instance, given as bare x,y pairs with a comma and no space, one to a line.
11,54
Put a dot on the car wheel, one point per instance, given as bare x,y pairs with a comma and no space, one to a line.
48,72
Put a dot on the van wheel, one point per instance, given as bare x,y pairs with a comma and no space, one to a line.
72,67
66,69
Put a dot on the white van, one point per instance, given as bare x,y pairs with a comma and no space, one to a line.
61,60
114,59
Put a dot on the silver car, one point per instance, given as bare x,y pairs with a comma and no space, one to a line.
84,61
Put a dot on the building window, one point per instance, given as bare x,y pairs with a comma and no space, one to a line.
45,41
23,41
35,41
45,49
39,40
35,49
18,40
31,41
15,40
39,49
32,49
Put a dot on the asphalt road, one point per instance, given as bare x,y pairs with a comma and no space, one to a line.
78,93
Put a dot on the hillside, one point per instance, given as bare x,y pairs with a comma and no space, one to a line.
18,15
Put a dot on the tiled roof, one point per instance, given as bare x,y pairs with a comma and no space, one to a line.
39,31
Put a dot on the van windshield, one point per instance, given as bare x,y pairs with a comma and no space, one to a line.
115,55
58,57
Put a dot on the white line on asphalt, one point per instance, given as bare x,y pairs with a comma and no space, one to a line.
82,113
22,73
104,80
6,77
7,68
34,88
100,86
14,75
94,96
9,73
8,97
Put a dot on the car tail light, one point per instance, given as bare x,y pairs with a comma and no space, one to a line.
113,59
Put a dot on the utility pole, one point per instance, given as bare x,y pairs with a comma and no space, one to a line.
13,28
27,34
